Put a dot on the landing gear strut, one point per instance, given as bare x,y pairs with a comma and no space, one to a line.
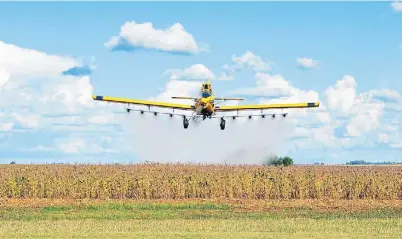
222,123
185,122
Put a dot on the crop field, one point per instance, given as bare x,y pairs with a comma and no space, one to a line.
201,201
176,181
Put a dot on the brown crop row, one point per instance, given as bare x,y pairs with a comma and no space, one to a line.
181,181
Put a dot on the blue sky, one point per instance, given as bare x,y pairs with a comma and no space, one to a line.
360,40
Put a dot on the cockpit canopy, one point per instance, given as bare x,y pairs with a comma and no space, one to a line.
206,90
206,86
205,94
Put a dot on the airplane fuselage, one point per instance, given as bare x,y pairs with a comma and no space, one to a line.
204,106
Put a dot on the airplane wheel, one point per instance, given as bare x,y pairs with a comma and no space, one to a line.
223,123
185,123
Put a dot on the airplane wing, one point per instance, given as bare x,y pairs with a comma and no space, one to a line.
195,98
266,106
142,102
222,98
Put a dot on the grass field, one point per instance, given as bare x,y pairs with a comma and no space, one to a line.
200,219
200,201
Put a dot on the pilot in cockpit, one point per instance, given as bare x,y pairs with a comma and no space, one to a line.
206,91
205,94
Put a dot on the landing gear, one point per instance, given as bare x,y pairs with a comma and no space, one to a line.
185,122
222,123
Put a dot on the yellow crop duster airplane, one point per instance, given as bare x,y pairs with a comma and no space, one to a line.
204,106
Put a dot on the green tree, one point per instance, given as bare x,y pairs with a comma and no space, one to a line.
279,161
287,161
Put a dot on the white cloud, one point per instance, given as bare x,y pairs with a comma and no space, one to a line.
315,128
341,97
173,39
34,93
396,145
7,126
363,122
179,88
19,62
367,115
386,94
225,76
27,120
363,110
38,98
4,76
277,86
39,148
306,63
194,72
76,145
397,6
249,59
73,146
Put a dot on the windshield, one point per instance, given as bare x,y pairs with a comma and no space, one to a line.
205,94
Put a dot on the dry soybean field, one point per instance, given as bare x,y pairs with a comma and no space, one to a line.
177,181
203,201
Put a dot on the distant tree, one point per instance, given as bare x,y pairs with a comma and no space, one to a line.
13,162
362,162
287,161
279,161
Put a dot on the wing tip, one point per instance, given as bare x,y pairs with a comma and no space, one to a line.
313,104
97,97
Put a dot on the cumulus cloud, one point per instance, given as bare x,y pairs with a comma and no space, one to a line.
386,95
18,61
306,63
397,6
56,113
194,72
342,95
247,60
364,110
225,76
268,85
77,145
312,128
320,128
179,88
143,35
366,120
36,99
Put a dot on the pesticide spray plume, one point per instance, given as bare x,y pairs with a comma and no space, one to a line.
163,139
